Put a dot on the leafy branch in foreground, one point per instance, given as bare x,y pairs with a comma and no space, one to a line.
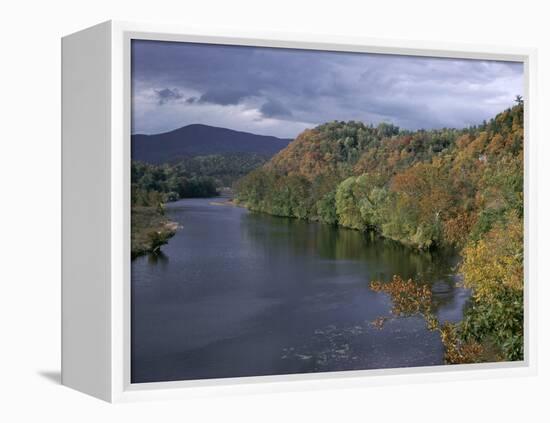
409,299
492,328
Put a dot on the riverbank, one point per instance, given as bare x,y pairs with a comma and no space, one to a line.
230,202
150,230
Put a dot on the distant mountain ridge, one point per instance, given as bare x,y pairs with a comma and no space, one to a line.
199,140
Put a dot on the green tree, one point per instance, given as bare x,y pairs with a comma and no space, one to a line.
347,205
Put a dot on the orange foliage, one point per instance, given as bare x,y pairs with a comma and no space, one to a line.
407,296
457,229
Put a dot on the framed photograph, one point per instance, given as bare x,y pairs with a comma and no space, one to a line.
271,212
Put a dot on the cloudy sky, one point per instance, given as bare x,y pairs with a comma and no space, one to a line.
281,91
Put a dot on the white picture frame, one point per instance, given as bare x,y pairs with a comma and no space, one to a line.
96,226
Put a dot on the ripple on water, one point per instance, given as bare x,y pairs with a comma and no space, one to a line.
362,346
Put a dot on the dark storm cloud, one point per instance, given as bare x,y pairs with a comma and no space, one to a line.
223,96
282,91
165,95
274,108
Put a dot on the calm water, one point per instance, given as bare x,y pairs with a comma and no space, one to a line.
242,294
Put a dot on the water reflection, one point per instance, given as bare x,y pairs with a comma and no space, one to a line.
274,235
158,257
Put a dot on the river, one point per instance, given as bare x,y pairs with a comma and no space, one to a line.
236,293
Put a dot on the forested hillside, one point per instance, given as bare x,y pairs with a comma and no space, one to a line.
426,189
422,188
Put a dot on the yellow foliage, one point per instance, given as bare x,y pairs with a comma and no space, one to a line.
496,145
495,261
478,145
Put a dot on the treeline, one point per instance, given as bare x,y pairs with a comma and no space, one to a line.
426,189
190,177
224,169
160,183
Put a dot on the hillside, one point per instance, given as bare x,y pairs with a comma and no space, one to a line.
201,140
423,188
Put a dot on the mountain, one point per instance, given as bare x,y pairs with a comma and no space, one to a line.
200,140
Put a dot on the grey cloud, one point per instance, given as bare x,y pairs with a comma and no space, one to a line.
312,87
223,96
166,94
274,108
